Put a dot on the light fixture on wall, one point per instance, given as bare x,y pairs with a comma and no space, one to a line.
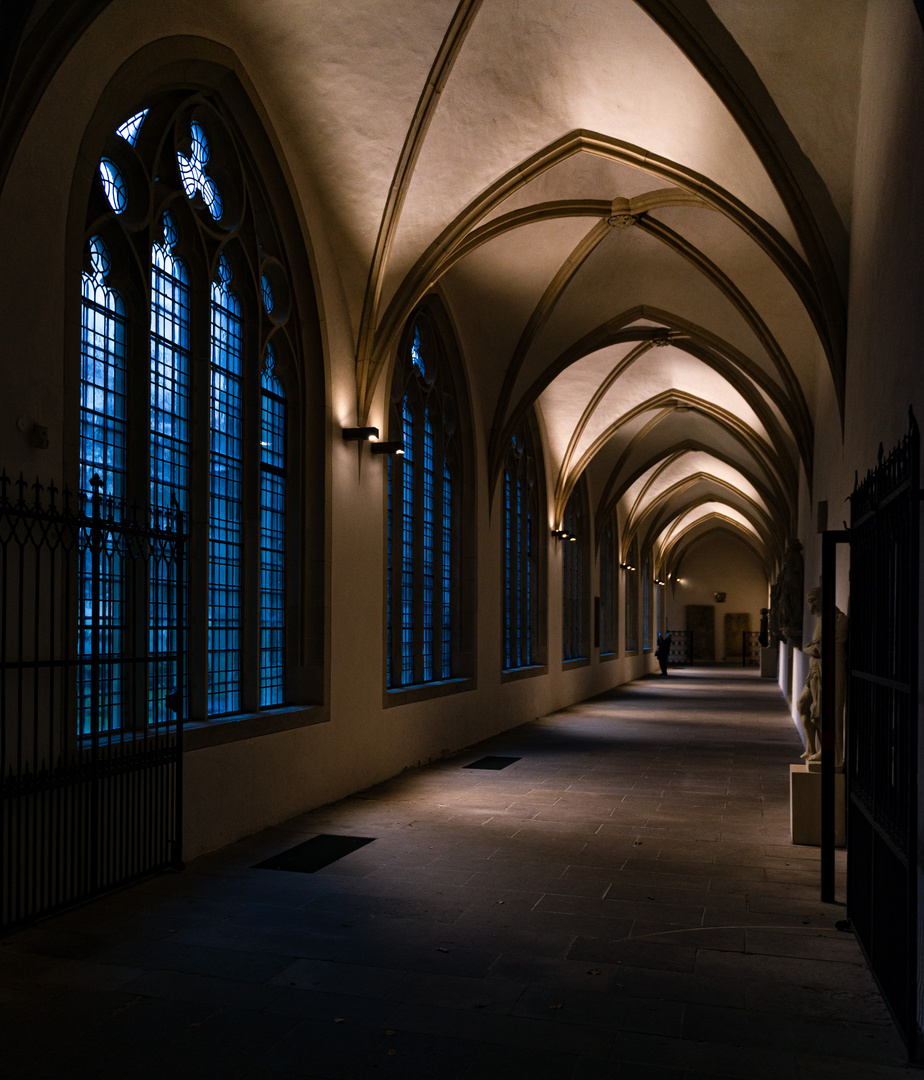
387,446
360,434
625,566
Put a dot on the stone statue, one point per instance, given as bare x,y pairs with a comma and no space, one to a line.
775,632
790,593
810,699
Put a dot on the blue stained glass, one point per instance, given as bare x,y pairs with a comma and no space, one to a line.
193,174
103,431
170,366
632,599
416,355
508,575
267,290
447,573
129,130
113,185
527,629
607,606
388,587
407,549
272,538
225,500
572,583
428,549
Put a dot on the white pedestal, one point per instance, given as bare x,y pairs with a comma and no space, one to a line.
769,662
805,806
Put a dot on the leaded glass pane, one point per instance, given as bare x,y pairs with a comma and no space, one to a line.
170,365
447,574
225,500
272,539
113,185
103,437
407,550
193,174
129,130
427,549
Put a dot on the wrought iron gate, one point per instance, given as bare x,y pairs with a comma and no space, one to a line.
91,651
882,743
681,652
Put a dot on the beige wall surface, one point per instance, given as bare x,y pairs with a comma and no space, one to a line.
240,786
718,565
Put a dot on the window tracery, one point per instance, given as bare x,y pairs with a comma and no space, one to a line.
184,395
424,487
521,552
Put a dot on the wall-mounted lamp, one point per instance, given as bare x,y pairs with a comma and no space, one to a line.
625,566
560,534
360,434
393,446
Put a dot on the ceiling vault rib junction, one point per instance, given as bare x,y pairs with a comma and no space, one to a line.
662,516
805,199
430,265
668,401
615,491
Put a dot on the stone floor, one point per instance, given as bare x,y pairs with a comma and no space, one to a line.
622,902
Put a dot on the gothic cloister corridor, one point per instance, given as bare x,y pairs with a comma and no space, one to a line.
621,902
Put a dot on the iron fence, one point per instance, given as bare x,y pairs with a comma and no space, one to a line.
882,739
91,662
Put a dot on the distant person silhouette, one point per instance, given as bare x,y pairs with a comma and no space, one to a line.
663,651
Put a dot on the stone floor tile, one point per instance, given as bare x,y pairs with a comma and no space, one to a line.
634,867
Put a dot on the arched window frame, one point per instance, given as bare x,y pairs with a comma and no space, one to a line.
575,607
609,591
632,597
647,602
257,233
429,572
524,552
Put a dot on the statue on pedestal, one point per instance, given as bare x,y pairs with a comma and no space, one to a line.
810,699
790,583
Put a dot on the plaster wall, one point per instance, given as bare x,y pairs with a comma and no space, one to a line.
718,564
242,785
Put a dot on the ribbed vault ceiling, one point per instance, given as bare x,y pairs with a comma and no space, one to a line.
635,212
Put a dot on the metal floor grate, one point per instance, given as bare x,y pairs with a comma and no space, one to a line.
314,854
491,763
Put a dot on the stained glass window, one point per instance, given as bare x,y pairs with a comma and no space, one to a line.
113,185
646,604
132,126
170,366
574,614
521,520
103,434
632,573
272,536
225,499
421,492
163,429
609,609
194,175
